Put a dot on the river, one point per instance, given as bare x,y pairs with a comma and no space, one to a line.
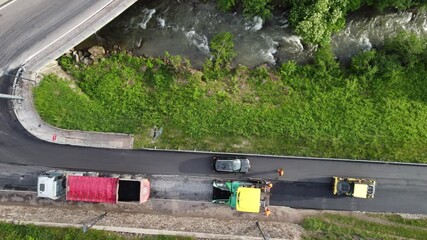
183,27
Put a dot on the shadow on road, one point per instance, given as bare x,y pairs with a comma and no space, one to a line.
196,165
268,175
292,193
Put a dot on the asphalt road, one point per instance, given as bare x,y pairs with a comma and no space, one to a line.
306,184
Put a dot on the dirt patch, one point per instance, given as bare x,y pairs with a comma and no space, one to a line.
54,68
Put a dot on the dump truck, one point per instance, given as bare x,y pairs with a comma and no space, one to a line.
250,195
93,187
355,187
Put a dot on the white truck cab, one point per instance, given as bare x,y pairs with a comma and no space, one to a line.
51,184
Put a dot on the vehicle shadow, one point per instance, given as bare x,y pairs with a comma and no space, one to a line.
299,194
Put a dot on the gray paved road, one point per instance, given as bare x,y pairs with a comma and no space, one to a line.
27,26
306,183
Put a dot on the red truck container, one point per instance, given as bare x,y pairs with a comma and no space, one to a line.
106,189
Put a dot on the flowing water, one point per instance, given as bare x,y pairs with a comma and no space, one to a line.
363,34
184,28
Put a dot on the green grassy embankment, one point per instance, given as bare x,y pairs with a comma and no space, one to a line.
32,232
372,226
373,109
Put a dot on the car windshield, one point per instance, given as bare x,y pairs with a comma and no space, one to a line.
237,165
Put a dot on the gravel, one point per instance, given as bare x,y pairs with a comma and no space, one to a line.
283,229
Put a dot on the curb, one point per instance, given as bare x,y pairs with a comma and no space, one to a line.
28,117
287,156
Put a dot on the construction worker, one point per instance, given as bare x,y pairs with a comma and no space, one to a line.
280,171
269,184
267,212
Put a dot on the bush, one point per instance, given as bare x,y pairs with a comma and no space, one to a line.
222,50
226,5
260,8
408,47
66,63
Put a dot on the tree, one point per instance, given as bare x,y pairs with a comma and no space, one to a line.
316,21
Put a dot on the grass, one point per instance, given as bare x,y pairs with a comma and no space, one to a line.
32,232
422,222
373,109
334,226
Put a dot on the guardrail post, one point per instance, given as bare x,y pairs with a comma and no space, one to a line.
86,227
260,230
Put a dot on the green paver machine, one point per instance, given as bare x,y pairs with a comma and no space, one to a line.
250,195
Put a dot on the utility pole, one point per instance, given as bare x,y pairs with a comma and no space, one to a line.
86,227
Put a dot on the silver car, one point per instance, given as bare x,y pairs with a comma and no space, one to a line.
231,164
